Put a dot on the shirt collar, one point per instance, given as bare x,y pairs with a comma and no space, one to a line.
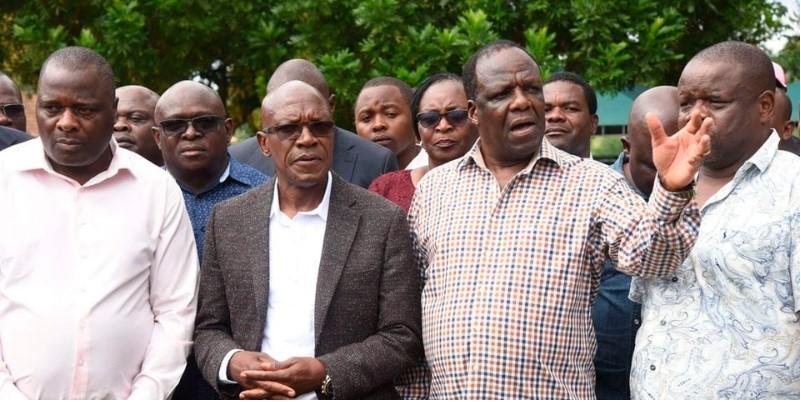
321,210
764,155
239,172
37,160
546,152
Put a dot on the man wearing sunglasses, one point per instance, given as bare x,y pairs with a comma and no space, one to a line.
308,286
193,134
98,269
12,112
356,160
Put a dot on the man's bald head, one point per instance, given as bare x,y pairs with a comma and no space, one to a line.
186,96
299,70
290,92
76,58
7,85
663,102
138,91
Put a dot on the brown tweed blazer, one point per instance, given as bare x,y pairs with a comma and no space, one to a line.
367,307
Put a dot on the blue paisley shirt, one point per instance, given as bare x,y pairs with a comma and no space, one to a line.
725,325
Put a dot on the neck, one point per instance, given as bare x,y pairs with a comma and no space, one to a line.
584,151
82,174
293,199
504,170
405,157
200,180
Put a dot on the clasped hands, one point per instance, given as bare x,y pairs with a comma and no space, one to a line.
678,158
262,377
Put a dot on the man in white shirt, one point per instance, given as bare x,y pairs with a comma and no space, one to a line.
725,325
309,289
98,268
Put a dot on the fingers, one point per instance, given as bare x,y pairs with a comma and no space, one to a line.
267,389
263,375
658,134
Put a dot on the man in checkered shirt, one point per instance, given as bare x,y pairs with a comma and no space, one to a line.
511,240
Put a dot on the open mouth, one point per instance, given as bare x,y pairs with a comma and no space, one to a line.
522,126
556,131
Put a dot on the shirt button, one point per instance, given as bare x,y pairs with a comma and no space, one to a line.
674,279
663,322
636,322
653,368
80,363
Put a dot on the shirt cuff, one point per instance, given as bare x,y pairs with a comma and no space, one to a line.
222,374
669,204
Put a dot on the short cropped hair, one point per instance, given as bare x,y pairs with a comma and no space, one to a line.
756,65
404,88
469,68
76,58
589,93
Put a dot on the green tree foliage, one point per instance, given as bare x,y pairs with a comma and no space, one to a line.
236,44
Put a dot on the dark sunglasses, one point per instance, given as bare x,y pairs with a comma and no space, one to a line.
13,110
287,132
201,124
455,117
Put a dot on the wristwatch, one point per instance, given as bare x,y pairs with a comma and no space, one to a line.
327,389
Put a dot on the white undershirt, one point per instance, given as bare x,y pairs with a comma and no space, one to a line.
296,246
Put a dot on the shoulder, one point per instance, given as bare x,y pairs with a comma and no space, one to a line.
246,174
366,202
363,147
244,147
390,179
10,136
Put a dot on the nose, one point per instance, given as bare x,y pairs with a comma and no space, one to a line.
520,101
67,121
443,125
306,137
190,133
121,125
4,120
379,123
554,115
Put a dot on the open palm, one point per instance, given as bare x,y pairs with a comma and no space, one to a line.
677,158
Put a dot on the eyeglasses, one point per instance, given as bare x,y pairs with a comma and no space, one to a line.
287,132
455,117
201,124
13,110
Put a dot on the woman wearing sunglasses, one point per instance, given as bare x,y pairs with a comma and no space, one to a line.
439,109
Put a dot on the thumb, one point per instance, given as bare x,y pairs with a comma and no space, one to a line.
658,134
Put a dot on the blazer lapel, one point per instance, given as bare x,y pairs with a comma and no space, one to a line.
259,259
340,231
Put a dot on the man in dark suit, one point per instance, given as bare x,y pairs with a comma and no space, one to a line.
308,282
10,136
356,160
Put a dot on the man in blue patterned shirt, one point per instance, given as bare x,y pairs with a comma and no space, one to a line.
193,133
725,325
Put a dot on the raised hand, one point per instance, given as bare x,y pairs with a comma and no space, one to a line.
677,158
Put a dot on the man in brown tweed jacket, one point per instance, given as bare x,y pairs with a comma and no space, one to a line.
307,285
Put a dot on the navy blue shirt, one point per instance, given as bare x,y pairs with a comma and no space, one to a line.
616,320
237,179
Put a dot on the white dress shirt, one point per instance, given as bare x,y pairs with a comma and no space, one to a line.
296,245
98,282
420,160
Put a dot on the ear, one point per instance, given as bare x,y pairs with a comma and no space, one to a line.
332,103
594,124
766,102
264,144
229,130
472,113
156,136
787,130
626,146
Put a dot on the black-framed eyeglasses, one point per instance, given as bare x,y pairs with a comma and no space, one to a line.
287,132
455,117
201,124
13,110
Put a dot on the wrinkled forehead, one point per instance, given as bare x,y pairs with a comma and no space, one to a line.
77,84
299,106
708,76
506,64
